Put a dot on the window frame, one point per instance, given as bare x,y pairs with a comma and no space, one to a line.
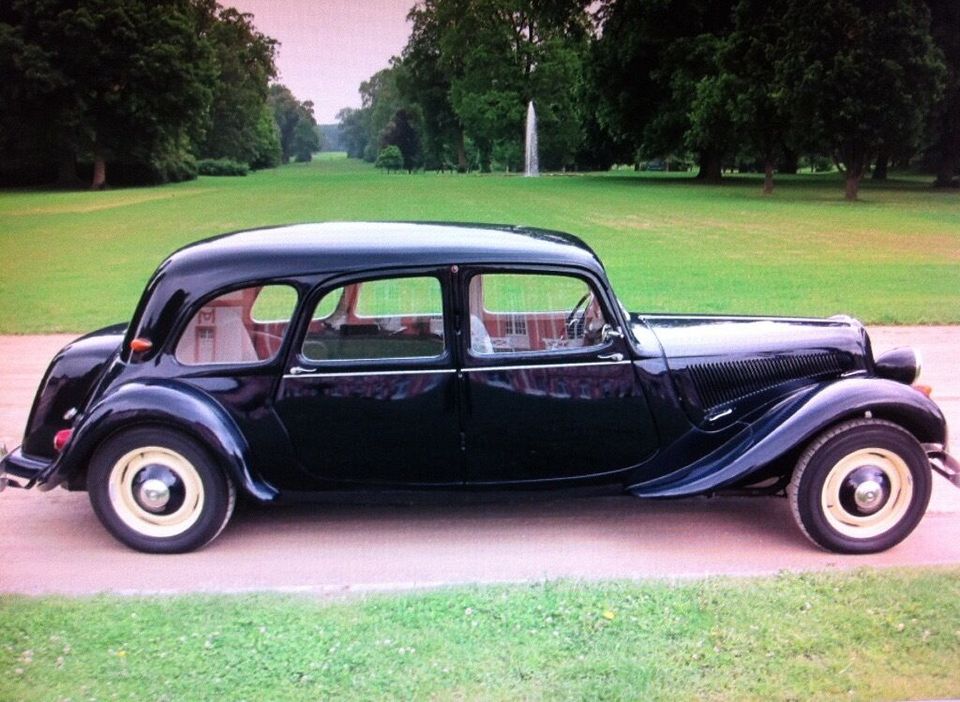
189,312
534,357
360,365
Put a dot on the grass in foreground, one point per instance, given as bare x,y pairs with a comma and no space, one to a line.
73,261
865,635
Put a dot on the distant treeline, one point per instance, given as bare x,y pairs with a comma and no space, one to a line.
755,84
137,91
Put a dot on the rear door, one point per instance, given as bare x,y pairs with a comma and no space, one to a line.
370,394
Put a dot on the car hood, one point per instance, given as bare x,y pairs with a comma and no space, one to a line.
703,337
731,365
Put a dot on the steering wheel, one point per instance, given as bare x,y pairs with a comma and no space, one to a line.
577,317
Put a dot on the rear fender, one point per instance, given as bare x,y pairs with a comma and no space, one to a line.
166,404
791,423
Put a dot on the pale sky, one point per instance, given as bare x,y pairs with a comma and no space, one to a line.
327,47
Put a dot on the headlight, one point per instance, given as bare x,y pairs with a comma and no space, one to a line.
902,365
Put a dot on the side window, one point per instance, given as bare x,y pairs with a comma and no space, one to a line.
530,312
378,319
243,326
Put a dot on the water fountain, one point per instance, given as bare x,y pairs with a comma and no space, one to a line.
531,157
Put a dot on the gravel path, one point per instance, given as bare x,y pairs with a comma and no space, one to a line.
52,543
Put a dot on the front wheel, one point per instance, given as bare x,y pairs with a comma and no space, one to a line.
860,487
158,491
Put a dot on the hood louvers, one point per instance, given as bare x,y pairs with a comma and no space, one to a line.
720,383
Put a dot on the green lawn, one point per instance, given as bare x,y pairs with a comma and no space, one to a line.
76,260
860,636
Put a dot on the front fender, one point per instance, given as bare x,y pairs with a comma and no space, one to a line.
794,421
168,404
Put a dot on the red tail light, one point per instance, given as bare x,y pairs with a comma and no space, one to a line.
925,389
61,438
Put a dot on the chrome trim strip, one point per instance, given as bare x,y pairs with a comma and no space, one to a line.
352,374
853,373
533,366
424,371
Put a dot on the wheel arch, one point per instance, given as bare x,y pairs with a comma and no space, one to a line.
173,406
786,428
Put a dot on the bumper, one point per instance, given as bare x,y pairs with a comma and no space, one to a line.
942,462
19,471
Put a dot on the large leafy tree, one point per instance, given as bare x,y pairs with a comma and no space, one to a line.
122,80
295,122
655,64
945,27
430,65
859,75
354,130
401,131
471,66
244,64
745,95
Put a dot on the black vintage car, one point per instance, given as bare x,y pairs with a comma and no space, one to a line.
296,360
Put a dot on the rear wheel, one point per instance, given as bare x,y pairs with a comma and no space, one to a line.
159,491
860,487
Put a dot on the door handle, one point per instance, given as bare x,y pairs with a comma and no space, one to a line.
300,370
615,357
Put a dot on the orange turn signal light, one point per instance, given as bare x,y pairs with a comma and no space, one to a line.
139,345
924,389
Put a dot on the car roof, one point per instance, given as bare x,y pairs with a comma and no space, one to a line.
329,248
302,249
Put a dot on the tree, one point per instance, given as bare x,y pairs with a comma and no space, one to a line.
267,152
306,141
471,66
945,28
390,158
381,98
858,75
289,113
244,63
401,132
655,63
107,79
354,130
757,117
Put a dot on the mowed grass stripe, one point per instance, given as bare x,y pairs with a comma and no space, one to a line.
865,635
74,261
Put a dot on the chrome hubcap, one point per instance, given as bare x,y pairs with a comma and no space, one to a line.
868,495
864,490
153,495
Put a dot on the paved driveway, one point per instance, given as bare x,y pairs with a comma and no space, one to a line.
51,542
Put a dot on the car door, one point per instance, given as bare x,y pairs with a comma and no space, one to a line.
549,390
369,394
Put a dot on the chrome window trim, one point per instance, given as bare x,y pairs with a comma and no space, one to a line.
353,374
425,371
533,366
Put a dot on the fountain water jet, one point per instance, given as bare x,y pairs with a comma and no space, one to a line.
531,157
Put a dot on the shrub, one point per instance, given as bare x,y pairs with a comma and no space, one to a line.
390,158
221,167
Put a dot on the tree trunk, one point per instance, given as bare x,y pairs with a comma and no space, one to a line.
854,158
789,162
67,172
768,177
945,170
883,160
852,186
461,153
710,166
99,169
